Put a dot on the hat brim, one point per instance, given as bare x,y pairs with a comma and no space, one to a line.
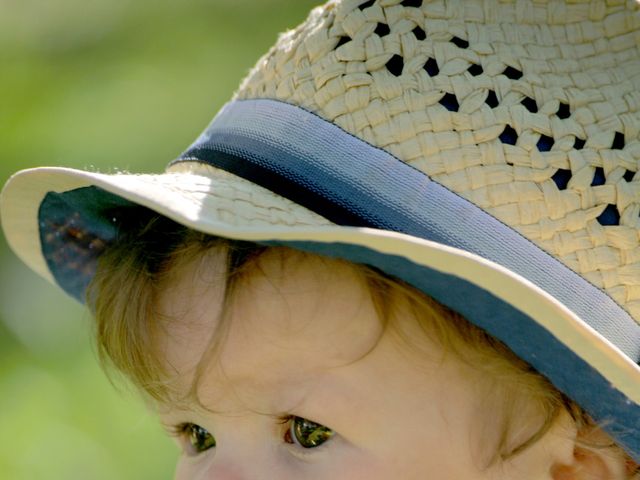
578,359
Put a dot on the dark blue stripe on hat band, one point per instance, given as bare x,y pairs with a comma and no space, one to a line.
315,163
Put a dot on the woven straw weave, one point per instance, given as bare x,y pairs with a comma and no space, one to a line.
529,109
252,205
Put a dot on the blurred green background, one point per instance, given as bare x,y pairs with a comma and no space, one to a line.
101,84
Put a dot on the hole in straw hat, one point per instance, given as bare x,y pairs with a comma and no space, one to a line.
382,30
492,99
618,141
475,69
512,73
367,4
431,67
545,143
419,33
450,102
628,175
530,104
563,111
598,177
395,65
459,42
561,178
342,41
509,136
411,3
578,143
610,216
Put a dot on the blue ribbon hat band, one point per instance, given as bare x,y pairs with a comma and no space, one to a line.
314,163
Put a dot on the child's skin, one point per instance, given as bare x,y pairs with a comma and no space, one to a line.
305,340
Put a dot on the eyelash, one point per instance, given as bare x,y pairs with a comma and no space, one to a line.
178,430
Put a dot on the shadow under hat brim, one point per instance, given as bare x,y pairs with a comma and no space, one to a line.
574,356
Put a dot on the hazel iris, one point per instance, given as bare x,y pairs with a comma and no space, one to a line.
307,434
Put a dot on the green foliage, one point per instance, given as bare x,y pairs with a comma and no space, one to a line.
104,84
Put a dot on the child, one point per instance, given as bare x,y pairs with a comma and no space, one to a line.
407,248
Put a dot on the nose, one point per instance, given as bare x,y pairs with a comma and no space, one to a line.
226,472
213,469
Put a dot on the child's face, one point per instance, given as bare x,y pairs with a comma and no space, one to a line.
302,343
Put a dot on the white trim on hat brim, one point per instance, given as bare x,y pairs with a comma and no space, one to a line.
185,197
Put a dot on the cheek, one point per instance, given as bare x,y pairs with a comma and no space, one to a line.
392,463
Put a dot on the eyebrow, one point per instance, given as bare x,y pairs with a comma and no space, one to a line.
285,395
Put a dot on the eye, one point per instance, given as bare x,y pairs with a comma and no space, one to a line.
197,438
307,434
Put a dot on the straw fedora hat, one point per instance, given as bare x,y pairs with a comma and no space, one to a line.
486,152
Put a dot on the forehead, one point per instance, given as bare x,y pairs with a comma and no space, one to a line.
292,317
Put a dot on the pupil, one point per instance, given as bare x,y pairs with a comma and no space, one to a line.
310,434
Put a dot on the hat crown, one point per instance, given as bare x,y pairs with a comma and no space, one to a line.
530,110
